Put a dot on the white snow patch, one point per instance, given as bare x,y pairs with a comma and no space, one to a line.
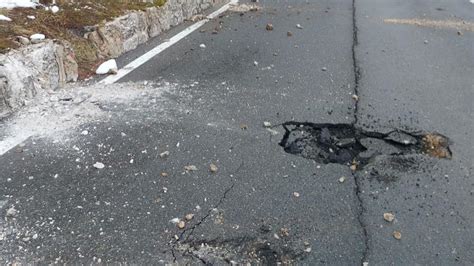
17,3
5,18
108,67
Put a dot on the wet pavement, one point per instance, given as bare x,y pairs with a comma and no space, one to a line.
271,147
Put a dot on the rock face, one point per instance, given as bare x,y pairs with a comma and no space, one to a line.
47,65
125,33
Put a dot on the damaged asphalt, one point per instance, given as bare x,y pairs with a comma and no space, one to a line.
343,66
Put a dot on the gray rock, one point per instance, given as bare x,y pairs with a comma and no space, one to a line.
23,40
23,73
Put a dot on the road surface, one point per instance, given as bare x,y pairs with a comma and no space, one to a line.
355,73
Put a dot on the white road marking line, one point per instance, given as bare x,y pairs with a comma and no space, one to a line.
160,48
11,142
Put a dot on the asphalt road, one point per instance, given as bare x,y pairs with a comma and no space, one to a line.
345,66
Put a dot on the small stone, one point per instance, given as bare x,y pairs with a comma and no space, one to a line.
307,250
164,174
389,217
244,126
164,154
460,33
23,40
267,124
189,216
37,38
342,179
255,63
298,26
397,235
353,167
324,69
365,263
284,232
85,133
425,41
35,236
181,224
289,34
31,17
306,243
107,67
11,212
269,27
202,45
355,97
190,168
99,165
174,220
296,194
213,168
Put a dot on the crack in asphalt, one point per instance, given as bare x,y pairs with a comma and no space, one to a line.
358,185
183,238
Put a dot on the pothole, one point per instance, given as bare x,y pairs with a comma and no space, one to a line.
346,144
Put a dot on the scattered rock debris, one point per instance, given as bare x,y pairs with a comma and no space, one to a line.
190,168
397,235
348,145
284,232
267,124
213,168
189,216
389,217
99,165
436,145
244,126
164,154
11,212
181,224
